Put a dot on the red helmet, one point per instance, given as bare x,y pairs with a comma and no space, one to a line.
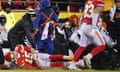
9,56
98,3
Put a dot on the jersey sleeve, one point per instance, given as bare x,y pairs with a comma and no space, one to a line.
55,17
28,34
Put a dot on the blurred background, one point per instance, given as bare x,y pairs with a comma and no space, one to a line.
66,8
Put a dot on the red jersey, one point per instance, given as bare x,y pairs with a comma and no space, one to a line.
24,56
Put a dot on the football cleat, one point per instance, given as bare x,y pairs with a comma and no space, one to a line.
87,62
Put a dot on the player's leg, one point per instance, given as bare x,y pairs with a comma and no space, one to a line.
60,57
99,42
79,51
54,57
57,64
30,66
47,64
100,46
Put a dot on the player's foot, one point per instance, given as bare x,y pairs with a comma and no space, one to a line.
87,62
73,66
111,43
66,64
80,64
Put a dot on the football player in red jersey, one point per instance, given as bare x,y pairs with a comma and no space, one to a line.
26,57
90,33
22,56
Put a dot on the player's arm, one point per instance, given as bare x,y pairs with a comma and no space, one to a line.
95,19
28,34
36,24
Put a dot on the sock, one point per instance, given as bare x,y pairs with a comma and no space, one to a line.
78,53
56,57
97,50
57,64
89,55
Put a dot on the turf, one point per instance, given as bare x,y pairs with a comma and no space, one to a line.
57,70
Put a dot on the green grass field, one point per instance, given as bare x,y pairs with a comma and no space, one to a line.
58,70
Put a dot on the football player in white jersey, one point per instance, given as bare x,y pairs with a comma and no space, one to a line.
89,33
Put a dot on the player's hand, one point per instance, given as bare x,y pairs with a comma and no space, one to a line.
32,50
55,24
112,20
35,32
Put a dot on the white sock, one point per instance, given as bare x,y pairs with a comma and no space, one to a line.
89,56
65,57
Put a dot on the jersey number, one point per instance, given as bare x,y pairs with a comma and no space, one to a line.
88,10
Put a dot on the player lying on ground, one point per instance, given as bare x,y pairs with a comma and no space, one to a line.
26,57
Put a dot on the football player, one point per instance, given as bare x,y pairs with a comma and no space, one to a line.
26,57
90,32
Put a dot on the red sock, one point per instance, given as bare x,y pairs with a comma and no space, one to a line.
56,57
78,53
97,50
57,64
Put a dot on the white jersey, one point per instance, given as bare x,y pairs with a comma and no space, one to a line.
89,16
88,29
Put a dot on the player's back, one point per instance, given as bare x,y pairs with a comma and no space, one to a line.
90,15
87,15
